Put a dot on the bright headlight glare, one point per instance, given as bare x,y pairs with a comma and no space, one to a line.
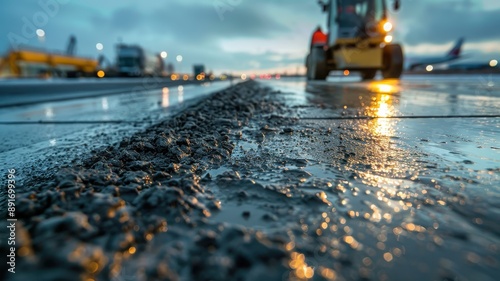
387,26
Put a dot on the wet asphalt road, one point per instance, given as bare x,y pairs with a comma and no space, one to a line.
77,126
380,180
410,171
32,91
458,117
40,134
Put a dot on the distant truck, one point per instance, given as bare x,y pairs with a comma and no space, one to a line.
134,61
199,71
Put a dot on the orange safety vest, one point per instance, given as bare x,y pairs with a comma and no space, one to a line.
319,38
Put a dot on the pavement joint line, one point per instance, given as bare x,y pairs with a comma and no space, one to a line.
70,122
397,117
299,118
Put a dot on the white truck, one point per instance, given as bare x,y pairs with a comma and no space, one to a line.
135,61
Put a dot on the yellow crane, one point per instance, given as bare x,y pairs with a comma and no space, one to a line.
26,63
17,62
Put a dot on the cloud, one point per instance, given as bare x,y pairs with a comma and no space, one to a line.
126,19
271,33
194,23
439,22
197,32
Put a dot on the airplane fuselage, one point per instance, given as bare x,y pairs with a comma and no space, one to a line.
422,62
453,54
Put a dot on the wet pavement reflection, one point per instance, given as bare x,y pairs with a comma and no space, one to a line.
407,174
47,132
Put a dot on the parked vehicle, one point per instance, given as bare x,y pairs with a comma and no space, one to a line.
358,39
134,61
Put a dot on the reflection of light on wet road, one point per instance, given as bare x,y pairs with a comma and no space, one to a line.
180,89
384,86
410,187
165,95
105,105
384,126
49,112
382,108
300,268
380,152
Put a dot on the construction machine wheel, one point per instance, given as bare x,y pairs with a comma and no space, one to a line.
316,64
74,74
393,61
368,74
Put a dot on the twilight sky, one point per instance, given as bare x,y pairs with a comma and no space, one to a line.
237,35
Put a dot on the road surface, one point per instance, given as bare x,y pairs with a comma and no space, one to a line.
31,91
276,180
38,135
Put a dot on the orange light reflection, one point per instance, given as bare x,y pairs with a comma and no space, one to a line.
165,102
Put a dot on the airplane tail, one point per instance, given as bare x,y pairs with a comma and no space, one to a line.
457,49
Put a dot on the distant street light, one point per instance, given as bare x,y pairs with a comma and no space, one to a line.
179,60
40,33
429,68
41,37
493,63
163,55
99,46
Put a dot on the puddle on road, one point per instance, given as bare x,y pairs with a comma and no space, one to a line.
247,215
445,153
247,147
323,171
469,155
459,142
214,173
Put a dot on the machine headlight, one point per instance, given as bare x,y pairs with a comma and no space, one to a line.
387,26
388,39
